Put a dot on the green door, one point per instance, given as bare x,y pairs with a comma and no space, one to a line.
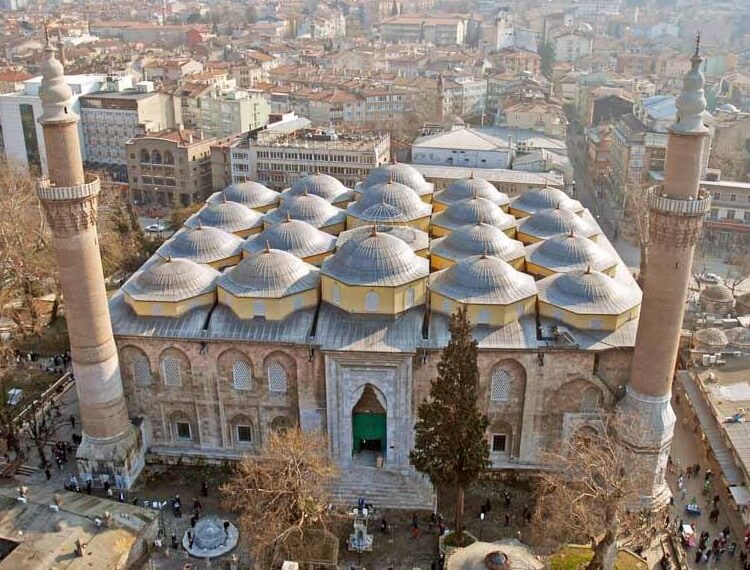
369,432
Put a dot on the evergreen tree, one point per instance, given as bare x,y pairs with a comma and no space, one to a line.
547,59
450,444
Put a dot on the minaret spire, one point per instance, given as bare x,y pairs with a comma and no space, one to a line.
691,103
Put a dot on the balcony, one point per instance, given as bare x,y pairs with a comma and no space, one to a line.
47,191
679,206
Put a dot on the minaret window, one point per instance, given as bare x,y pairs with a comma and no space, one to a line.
242,375
170,370
276,374
500,385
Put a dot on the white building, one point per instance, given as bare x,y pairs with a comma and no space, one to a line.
22,135
572,44
112,117
232,112
462,147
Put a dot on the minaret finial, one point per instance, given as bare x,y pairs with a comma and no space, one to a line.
691,103
54,92
374,232
46,34
697,44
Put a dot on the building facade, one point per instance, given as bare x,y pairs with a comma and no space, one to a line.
232,112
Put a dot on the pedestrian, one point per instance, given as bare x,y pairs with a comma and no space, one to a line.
433,521
89,486
726,531
489,505
121,497
732,549
58,460
667,520
204,488
175,544
106,487
383,525
414,527
47,473
507,500
197,506
696,469
193,520
689,471
110,493
226,528
482,511
72,421
680,482
190,539
507,519
716,499
698,555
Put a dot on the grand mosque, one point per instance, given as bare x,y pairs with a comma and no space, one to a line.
327,307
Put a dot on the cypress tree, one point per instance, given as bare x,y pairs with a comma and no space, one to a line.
450,435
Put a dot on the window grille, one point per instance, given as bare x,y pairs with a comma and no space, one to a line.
276,377
141,371
170,369
591,401
500,386
242,376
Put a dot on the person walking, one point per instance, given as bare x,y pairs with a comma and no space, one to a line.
47,473
72,421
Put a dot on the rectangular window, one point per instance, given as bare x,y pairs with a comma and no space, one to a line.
730,214
183,430
733,197
244,434
499,442
28,125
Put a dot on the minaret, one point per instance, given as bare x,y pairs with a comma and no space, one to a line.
440,98
111,444
676,212
60,47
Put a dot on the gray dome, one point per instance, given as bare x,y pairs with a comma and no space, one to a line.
203,244
547,223
295,236
588,292
228,216
477,239
470,188
569,252
309,208
250,194
209,533
391,201
711,337
323,185
471,211
536,199
271,273
717,293
401,173
375,259
171,280
739,337
416,239
483,280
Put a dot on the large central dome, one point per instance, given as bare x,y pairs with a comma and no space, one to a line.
375,259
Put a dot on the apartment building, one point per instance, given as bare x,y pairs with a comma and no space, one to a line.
727,227
232,112
169,167
439,30
112,117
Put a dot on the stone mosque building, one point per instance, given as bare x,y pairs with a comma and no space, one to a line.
329,308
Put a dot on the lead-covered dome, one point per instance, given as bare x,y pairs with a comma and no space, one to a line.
416,239
739,338
294,236
536,199
271,273
710,339
323,185
483,280
478,239
470,212
228,216
376,259
398,172
588,292
171,280
547,223
251,194
569,252
470,188
309,208
203,244
389,201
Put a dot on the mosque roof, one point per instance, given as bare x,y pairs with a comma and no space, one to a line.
416,239
202,244
739,337
477,239
295,236
171,280
589,292
271,273
568,252
469,188
717,292
536,199
309,208
483,279
228,216
250,194
398,172
547,223
470,211
323,185
711,336
375,259
389,201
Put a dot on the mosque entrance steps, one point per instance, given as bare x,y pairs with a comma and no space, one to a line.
383,489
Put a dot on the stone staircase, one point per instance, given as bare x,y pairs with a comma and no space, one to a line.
383,489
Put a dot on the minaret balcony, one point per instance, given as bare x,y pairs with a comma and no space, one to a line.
47,191
678,205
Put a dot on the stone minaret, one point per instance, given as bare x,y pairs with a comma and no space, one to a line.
111,444
676,212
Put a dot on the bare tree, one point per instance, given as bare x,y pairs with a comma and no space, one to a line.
41,424
282,493
588,499
636,206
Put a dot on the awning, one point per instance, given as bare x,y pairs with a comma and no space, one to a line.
740,494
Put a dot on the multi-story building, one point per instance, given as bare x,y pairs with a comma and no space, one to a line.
278,157
112,117
171,71
170,167
23,138
728,225
536,115
232,112
571,44
517,60
439,30
12,80
464,147
246,75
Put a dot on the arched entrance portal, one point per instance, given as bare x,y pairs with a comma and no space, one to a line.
369,427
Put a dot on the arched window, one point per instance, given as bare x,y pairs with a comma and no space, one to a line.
297,302
242,375
500,385
372,301
145,157
484,317
409,299
141,371
170,371
336,292
447,307
276,374
591,400
259,309
156,157
168,157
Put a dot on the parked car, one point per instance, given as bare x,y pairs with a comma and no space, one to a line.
158,227
711,278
